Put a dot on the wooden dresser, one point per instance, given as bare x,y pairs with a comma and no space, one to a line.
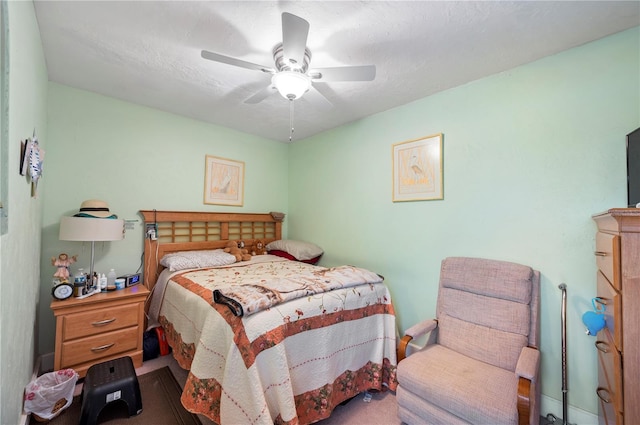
618,344
98,328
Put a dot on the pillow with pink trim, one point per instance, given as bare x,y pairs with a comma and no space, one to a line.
305,252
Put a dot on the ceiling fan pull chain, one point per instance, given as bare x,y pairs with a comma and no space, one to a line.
290,120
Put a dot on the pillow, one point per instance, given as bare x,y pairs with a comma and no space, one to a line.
300,250
284,254
197,259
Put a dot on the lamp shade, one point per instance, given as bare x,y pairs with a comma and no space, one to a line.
91,229
291,84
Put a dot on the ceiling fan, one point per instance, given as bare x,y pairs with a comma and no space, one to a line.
291,75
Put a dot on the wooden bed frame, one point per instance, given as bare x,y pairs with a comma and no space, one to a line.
192,230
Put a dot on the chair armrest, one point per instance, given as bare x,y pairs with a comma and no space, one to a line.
419,329
528,363
527,372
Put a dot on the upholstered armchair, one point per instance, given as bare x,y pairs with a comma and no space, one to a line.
480,363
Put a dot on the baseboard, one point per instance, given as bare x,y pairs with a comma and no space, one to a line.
575,415
46,363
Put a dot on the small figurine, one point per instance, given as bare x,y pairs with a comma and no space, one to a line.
62,263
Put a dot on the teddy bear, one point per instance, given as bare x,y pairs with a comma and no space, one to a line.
241,254
258,248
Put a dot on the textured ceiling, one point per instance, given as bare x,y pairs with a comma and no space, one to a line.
148,52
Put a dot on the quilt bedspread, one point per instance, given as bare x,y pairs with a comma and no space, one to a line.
292,363
249,289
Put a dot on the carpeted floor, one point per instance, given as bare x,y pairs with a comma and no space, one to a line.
380,410
160,394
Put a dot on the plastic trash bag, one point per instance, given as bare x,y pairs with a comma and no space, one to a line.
48,395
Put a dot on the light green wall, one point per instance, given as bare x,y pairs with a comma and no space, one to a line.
20,246
529,155
137,158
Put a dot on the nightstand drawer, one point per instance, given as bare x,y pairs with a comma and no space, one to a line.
96,322
102,327
96,347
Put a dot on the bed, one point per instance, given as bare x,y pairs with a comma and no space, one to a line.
288,362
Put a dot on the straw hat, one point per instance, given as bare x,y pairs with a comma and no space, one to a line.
95,208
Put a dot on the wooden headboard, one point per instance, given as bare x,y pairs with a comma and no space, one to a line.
192,230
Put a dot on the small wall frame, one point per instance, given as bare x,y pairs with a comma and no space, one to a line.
417,169
223,181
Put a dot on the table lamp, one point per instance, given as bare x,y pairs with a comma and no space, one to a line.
92,230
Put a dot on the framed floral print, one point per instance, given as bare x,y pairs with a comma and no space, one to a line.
223,181
417,169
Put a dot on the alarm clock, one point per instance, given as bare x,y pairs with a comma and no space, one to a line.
130,279
62,291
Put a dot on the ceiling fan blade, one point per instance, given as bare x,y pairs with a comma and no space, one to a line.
294,38
344,73
317,99
235,62
261,95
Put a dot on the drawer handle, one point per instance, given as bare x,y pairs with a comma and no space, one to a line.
602,346
102,347
103,322
601,253
600,300
601,397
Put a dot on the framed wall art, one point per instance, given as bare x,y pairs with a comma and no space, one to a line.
417,169
223,181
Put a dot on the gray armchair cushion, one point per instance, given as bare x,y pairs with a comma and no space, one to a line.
493,278
501,349
484,309
500,314
473,391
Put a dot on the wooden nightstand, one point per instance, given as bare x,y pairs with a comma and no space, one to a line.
101,327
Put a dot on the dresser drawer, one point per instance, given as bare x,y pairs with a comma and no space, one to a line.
612,300
606,413
609,373
94,322
608,257
95,347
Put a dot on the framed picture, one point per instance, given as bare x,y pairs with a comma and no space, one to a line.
223,181
417,169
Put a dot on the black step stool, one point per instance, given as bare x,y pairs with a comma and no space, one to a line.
107,382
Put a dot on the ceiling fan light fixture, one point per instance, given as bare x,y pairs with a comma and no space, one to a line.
290,84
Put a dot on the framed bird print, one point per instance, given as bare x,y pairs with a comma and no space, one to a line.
417,169
223,181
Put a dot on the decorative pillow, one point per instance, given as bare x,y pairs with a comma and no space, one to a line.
283,254
300,250
196,259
